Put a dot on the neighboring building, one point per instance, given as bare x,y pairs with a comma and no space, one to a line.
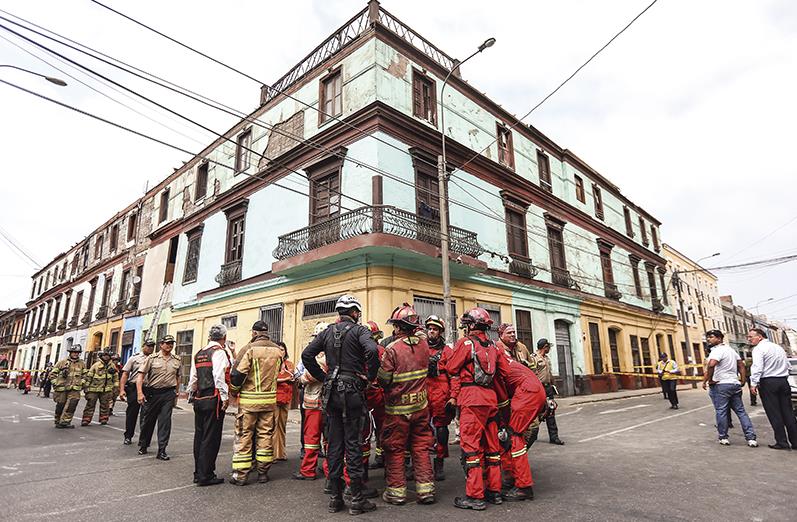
736,323
10,332
702,307
264,224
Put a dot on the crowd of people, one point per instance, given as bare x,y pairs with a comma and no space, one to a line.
356,387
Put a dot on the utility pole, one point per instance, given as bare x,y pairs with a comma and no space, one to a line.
677,282
441,181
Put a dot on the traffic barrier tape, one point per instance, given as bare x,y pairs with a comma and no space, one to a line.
638,374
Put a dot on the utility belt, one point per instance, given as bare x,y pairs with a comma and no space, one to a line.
467,384
342,382
148,390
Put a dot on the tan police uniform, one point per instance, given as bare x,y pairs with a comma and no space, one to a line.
161,377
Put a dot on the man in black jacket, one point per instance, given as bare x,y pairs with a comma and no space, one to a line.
352,362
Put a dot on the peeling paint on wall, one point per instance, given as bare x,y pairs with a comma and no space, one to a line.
398,67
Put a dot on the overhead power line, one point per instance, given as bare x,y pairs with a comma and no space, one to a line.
607,44
16,247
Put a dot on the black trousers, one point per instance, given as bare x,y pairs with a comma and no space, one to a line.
664,387
345,415
776,398
671,391
133,407
48,385
208,425
158,408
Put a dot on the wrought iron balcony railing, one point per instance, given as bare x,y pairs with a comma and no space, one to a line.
367,220
229,273
523,268
657,306
119,307
611,291
561,277
62,324
102,312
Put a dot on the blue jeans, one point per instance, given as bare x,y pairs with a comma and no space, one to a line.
725,396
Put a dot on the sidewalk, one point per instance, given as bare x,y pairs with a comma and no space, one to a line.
622,394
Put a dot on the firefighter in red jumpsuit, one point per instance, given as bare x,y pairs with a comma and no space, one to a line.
375,399
403,376
441,406
477,362
527,403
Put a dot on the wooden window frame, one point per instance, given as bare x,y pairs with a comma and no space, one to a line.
235,213
654,235
643,231
330,166
664,299
203,167
650,269
635,260
556,225
595,347
163,209
243,148
97,249
607,271
597,198
520,208
423,107
524,335
506,149
544,171
333,75
132,224
422,164
113,238
629,227
581,194
193,237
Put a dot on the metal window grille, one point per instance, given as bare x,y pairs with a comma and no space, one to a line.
426,306
272,316
192,260
230,321
319,307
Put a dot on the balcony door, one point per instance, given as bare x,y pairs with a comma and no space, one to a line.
325,201
564,356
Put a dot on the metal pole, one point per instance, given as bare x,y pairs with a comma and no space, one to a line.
677,282
441,180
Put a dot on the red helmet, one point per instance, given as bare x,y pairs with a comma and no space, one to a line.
374,328
436,321
405,314
477,317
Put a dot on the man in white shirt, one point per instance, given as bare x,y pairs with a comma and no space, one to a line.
724,368
208,391
769,376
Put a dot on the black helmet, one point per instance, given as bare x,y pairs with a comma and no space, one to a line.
75,348
106,352
542,343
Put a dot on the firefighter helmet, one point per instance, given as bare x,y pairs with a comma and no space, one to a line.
436,321
106,352
347,302
478,317
319,328
75,348
374,328
405,314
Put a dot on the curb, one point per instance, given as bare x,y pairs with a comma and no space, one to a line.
615,398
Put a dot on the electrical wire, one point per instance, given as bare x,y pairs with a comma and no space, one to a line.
15,246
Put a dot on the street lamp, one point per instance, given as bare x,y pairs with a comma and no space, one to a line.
707,257
51,79
763,301
442,179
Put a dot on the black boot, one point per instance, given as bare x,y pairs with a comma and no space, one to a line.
359,504
493,497
470,503
335,495
439,472
518,494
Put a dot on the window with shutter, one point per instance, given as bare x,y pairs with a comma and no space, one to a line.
192,255
523,328
331,96
325,200
580,195
244,145
201,181
506,152
634,260
544,170
598,198
595,344
629,229
164,208
517,238
131,226
424,97
643,229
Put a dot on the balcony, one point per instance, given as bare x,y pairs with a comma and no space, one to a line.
62,324
561,277
118,307
51,328
102,312
611,291
523,269
376,219
657,306
86,317
230,273
132,304
72,322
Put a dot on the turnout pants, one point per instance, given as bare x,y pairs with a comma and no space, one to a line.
441,434
776,398
345,415
92,398
131,415
313,425
158,408
478,438
525,407
414,432
208,425
280,428
65,406
253,429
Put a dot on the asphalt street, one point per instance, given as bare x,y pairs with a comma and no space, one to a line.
626,459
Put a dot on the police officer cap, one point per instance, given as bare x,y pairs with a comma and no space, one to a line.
167,339
260,326
542,343
663,356
149,342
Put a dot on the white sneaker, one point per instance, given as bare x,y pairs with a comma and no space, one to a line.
752,443
725,442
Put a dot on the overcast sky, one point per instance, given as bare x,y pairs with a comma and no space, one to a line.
691,112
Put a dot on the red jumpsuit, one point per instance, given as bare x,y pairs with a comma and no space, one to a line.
478,412
527,401
402,374
313,425
439,395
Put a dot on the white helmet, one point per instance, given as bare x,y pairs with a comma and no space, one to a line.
319,328
347,302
